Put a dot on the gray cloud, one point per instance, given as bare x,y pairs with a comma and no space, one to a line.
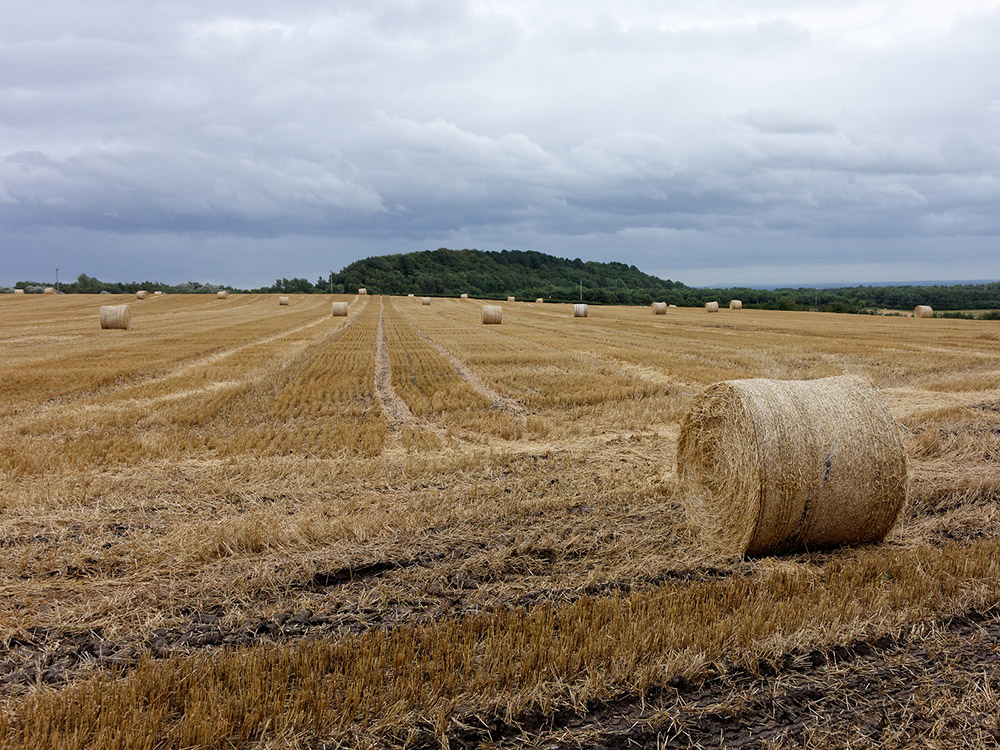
749,139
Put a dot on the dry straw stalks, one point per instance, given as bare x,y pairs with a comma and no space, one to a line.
770,466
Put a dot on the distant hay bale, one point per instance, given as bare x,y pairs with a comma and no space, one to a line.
539,300
923,311
222,295
659,308
735,304
465,295
339,309
116,316
425,300
157,294
18,291
362,290
282,301
141,294
409,295
49,290
492,314
510,299
712,306
671,305
767,466
579,311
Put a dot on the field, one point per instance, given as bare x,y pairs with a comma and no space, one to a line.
245,525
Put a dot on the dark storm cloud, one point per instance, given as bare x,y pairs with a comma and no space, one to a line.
767,135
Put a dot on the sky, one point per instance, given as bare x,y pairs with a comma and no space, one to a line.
710,142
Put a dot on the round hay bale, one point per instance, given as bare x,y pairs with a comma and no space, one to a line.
659,308
409,295
362,290
510,299
339,309
18,291
712,307
49,290
116,316
425,300
465,295
767,466
923,311
492,314
671,305
282,301
579,311
141,294
539,300
735,304
222,295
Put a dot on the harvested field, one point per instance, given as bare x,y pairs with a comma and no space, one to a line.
231,528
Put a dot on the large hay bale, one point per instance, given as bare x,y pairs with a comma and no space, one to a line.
425,300
712,307
923,311
769,466
735,304
492,314
465,295
116,316
141,294
579,310
362,290
49,290
659,308
222,295
339,309
18,291
282,301
510,299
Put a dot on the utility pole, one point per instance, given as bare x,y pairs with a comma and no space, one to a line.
57,280
329,289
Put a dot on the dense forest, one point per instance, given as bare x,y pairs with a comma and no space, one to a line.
529,274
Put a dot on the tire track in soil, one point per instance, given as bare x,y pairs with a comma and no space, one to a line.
395,409
497,400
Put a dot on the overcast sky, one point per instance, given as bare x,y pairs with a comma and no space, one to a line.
735,141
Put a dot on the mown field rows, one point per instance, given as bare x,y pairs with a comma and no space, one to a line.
379,527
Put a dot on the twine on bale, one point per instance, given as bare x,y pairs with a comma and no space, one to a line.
768,466
116,316
492,314
923,311
712,307
659,308
339,309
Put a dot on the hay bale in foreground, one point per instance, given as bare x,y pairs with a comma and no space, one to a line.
116,316
735,304
282,301
923,311
222,295
768,466
579,311
659,308
49,290
141,294
492,314
362,290
465,295
712,307
18,291
425,300
510,299
339,309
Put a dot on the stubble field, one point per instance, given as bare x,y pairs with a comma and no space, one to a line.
245,525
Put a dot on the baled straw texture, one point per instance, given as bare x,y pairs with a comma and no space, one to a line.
362,290
539,300
923,311
425,300
116,316
579,311
18,291
465,295
659,308
339,309
712,306
222,295
157,293
510,299
735,304
492,314
141,294
49,290
768,466
282,301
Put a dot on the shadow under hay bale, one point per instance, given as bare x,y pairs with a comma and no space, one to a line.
768,466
